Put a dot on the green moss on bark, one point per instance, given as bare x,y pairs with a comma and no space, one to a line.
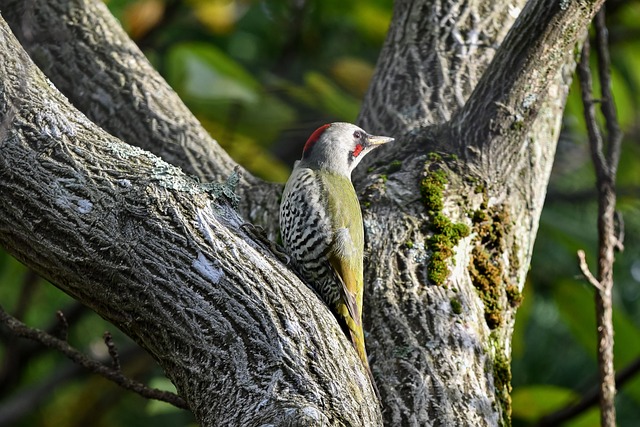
446,234
431,188
456,305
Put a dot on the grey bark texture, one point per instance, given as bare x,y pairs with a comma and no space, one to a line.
450,210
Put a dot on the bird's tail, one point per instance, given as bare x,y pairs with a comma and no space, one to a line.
357,339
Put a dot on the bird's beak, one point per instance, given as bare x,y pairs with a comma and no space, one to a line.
378,140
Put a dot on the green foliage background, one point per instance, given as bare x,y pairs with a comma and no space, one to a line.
261,75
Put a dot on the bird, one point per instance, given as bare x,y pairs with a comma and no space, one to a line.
321,223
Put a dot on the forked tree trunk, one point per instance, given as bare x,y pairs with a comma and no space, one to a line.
451,211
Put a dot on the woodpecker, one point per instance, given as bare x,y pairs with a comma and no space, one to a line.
321,222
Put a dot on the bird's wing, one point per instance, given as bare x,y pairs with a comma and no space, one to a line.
339,260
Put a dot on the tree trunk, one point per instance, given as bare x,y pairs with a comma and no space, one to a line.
479,141
451,211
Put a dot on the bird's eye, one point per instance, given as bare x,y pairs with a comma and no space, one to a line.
357,134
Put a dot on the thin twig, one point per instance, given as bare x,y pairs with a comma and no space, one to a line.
586,83
26,400
620,231
606,168
19,354
22,330
584,267
607,106
113,350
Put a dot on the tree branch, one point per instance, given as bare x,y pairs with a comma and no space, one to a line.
107,77
164,258
489,128
416,84
424,73
113,374
113,350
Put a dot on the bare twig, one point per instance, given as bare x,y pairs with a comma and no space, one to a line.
18,355
113,351
595,138
584,267
607,106
606,167
620,231
24,401
589,399
48,340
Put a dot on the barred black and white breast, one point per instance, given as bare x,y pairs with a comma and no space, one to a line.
307,233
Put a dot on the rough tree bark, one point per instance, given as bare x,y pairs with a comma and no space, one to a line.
451,212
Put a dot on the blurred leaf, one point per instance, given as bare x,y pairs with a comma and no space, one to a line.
264,121
627,62
577,309
117,7
328,97
219,90
623,98
627,336
590,418
155,407
532,402
244,46
628,170
372,21
629,14
246,151
46,300
204,72
353,74
139,17
565,227
219,16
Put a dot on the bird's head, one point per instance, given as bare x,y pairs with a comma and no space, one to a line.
339,147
